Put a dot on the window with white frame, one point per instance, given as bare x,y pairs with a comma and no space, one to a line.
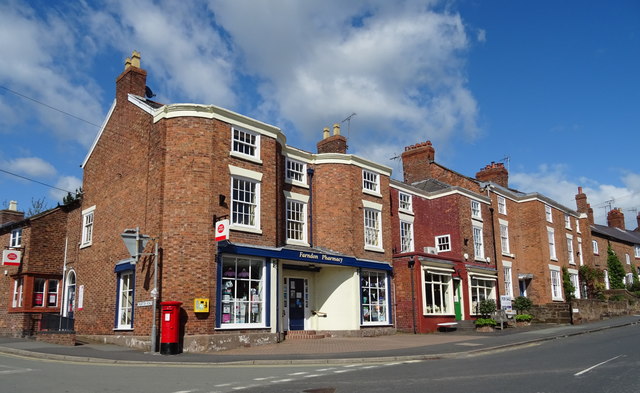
556,283
580,257
372,228
443,243
296,171
243,292
571,259
502,205
296,221
245,197
552,243
478,242
637,251
125,300
594,244
17,292
370,182
406,236
438,292
475,210
627,258
628,279
508,287
481,289
45,292
87,226
567,221
575,281
577,225
405,202
16,238
245,143
548,214
504,237
374,301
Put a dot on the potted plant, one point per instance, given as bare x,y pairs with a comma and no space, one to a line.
523,305
485,323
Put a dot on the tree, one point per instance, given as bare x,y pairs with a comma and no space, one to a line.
567,285
70,198
522,304
37,206
593,279
616,270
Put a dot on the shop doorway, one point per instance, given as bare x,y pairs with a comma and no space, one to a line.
296,297
457,298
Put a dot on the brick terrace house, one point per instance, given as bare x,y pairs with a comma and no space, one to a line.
444,261
532,236
38,250
624,243
310,239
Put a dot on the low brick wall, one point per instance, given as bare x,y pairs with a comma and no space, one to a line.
587,310
60,338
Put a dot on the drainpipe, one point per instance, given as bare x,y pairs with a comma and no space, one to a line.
310,172
411,264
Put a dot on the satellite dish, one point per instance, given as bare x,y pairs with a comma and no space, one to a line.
148,92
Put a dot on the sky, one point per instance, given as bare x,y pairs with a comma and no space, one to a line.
549,88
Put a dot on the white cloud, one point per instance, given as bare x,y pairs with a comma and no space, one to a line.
70,183
30,167
553,181
481,35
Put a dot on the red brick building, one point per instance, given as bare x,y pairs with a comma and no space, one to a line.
36,251
309,246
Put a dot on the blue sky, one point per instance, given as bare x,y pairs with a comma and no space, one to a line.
552,85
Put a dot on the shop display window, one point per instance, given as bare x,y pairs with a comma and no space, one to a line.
242,292
374,304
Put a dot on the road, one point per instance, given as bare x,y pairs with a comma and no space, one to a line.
605,361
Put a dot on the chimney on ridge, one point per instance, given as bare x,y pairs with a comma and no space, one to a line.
133,79
416,162
11,214
494,172
583,206
335,143
615,218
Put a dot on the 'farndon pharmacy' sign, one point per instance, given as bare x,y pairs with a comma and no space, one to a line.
319,257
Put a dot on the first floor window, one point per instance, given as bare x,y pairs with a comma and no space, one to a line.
243,291
570,251
17,292
438,293
372,233
594,244
443,243
478,243
87,226
481,289
406,236
552,243
296,228
556,285
637,251
504,238
125,300
374,302
15,239
244,202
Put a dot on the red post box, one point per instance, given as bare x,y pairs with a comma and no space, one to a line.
170,339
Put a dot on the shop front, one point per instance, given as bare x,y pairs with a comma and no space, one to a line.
290,289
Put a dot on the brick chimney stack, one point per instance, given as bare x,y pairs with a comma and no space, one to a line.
11,214
494,172
335,143
416,162
133,79
615,218
583,206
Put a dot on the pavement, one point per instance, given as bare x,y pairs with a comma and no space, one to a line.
399,347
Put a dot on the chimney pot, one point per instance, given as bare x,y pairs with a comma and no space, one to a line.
336,129
13,206
325,133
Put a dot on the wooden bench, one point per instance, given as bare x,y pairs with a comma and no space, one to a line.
445,326
500,317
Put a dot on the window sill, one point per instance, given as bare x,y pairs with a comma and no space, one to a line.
242,326
123,329
296,183
245,229
297,242
476,218
85,245
245,157
506,254
376,324
425,314
405,211
372,193
374,248
553,259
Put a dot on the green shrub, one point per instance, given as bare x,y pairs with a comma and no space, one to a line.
616,298
524,317
522,304
480,322
486,307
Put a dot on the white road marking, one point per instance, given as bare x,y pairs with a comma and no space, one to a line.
594,366
16,371
299,373
313,375
282,380
326,369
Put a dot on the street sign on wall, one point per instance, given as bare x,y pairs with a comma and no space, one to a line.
222,230
11,257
